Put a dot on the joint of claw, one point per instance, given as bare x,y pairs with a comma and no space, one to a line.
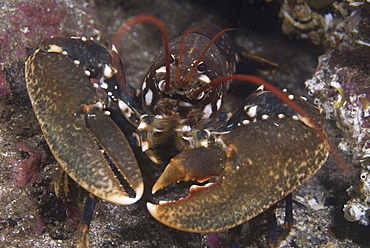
93,103
231,153
84,109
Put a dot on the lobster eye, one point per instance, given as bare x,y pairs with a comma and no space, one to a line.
201,67
172,59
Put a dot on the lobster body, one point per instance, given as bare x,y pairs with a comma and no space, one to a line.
257,157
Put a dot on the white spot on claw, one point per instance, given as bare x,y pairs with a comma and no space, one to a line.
252,111
108,72
245,122
55,49
104,85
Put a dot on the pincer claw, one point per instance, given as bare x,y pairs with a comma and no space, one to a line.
113,144
196,164
263,166
85,141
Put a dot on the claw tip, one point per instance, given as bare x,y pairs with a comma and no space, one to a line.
125,200
157,186
152,208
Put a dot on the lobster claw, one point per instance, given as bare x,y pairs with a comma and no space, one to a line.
87,144
115,146
197,164
264,163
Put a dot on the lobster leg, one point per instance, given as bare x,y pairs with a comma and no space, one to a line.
288,220
83,235
233,235
272,237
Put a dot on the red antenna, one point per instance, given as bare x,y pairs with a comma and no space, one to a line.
123,29
204,52
181,48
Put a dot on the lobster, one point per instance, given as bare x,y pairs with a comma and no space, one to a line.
250,160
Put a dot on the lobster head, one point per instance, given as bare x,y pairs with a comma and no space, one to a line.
199,56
